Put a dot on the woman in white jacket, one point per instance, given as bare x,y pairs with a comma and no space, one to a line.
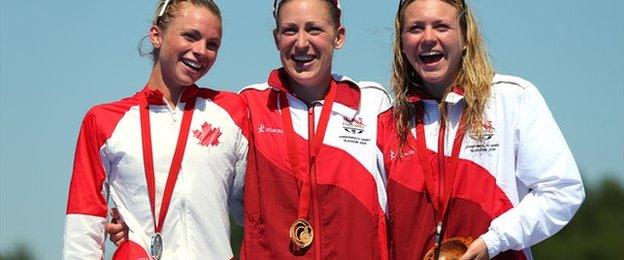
170,157
476,163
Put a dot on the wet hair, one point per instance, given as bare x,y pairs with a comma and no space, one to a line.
165,13
333,5
475,74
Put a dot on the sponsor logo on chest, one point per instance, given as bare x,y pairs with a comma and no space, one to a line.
355,131
262,129
483,143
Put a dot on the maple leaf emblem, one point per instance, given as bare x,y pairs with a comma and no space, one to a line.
207,135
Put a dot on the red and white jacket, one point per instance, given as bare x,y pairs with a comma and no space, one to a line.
348,201
109,162
515,188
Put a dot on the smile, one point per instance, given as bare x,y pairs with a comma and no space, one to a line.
431,57
192,64
303,58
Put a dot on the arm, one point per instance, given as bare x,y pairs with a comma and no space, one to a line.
545,165
86,207
235,202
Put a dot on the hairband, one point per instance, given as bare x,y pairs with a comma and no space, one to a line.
163,8
277,2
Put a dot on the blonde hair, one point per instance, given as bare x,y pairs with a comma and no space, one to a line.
165,13
475,74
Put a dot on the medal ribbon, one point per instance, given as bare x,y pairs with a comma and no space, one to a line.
176,163
317,141
441,200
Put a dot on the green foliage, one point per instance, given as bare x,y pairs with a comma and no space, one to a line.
19,252
596,230
236,237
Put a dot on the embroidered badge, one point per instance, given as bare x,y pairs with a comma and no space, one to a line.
207,135
354,126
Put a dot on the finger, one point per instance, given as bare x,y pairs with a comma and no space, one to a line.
113,228
118,243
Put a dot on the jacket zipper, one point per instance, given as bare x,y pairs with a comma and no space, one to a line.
313,187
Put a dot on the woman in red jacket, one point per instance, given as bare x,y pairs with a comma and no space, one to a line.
313,188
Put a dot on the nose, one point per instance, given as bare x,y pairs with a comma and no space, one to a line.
428,36
200,49
302,41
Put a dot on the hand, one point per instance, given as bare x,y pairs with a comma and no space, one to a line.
117,229
476,251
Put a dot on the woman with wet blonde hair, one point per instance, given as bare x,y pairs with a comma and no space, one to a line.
171,158
477,167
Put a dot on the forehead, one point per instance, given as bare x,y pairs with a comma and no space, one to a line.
298,11
194,16
430,10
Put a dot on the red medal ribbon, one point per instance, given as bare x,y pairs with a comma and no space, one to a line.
317,141
440,200
176,163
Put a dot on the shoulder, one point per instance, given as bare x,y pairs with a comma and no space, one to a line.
229,101
508,86
366,87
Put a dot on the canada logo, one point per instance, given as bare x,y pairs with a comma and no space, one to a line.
207,135
354,126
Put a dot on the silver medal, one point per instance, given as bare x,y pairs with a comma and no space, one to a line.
157,246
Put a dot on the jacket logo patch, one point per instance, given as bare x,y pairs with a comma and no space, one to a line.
483,143
263,129
207,135
354,126
394,154
488,132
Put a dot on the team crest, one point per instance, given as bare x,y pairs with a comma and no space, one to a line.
488,132
354,126
208,135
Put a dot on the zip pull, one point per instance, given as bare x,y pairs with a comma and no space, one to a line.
438,235
438,240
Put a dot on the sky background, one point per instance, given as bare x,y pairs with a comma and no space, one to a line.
58,58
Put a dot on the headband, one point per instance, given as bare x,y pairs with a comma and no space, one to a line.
277,2
163,8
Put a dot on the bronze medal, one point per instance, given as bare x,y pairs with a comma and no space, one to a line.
450,249
301,233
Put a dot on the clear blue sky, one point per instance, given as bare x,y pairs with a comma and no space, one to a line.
58,58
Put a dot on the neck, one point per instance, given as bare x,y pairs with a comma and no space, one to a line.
436,90
309,94
171,92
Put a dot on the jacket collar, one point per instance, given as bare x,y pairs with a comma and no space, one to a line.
347,100
155,96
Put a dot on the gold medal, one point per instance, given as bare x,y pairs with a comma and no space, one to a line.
451,249
301,233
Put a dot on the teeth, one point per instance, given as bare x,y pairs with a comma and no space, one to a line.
303,58
192,64
430,53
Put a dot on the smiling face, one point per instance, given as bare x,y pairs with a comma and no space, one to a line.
432,42
306,38
188,47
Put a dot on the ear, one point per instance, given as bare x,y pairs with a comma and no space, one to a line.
155,36
341,37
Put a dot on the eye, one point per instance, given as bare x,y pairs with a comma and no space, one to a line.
213,45
288,31
190,36
442,27
315,30
416,28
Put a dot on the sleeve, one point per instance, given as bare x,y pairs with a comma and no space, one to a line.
235,202
86,207
545,165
